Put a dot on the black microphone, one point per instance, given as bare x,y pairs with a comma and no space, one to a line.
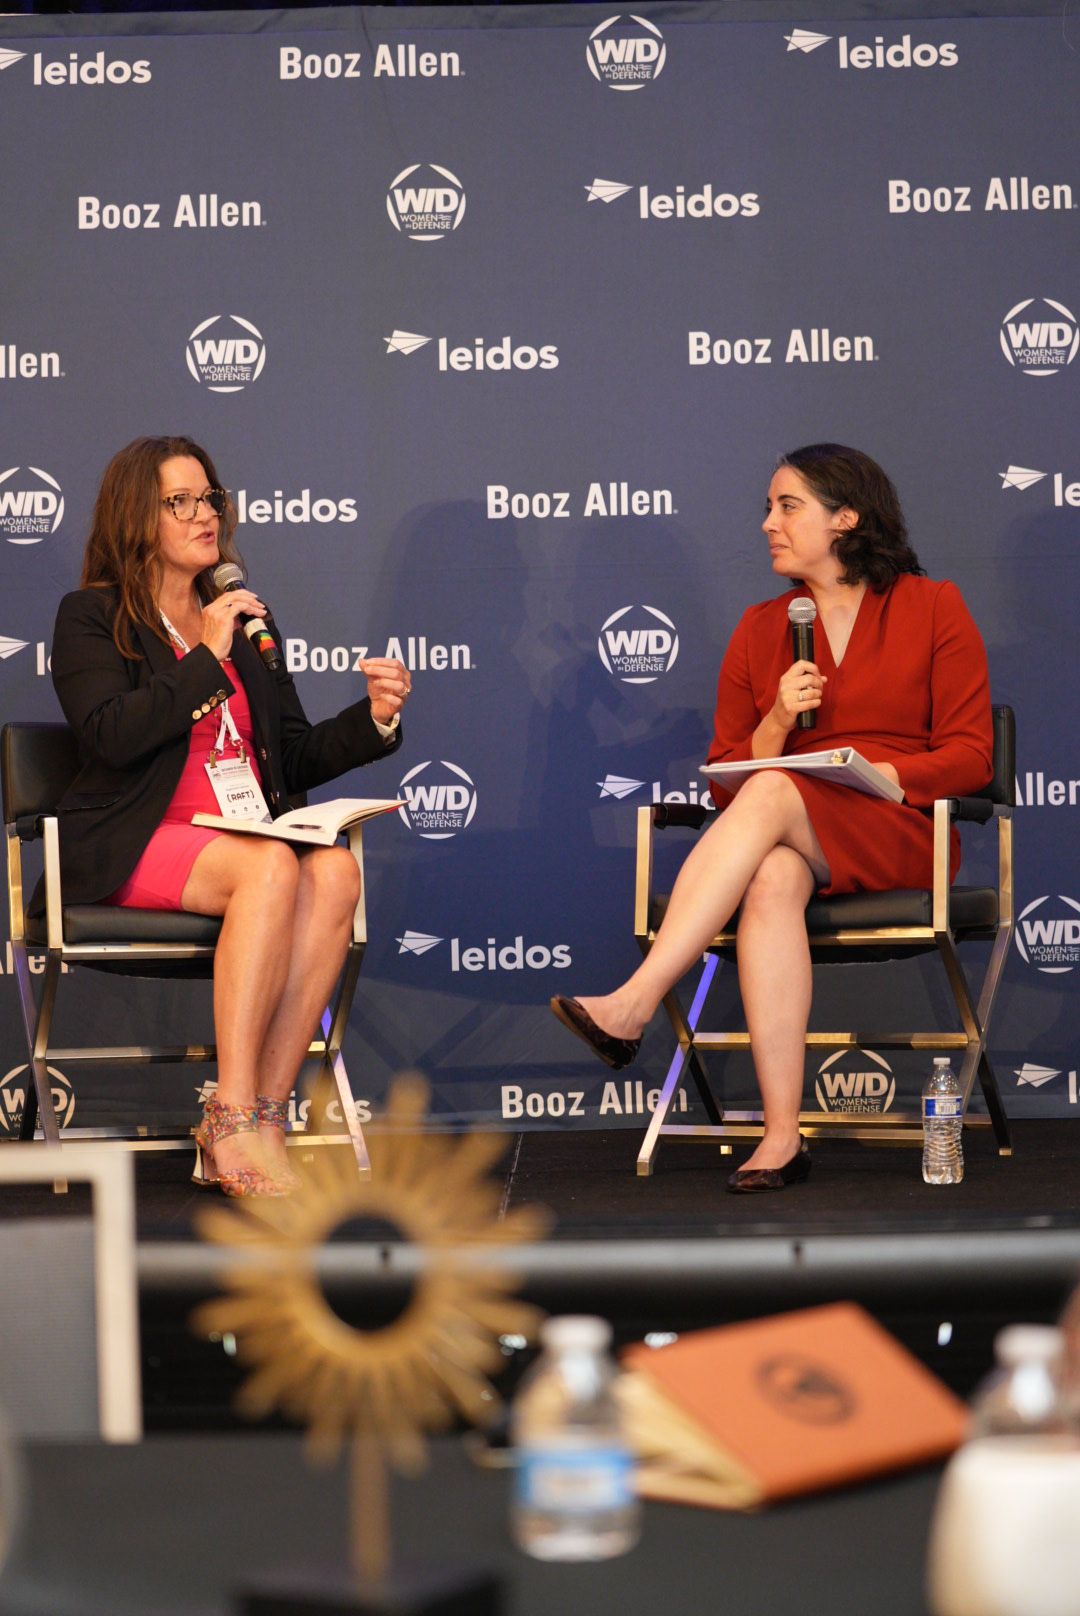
801,613
227,577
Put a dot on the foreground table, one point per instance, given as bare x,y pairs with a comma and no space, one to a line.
174,1524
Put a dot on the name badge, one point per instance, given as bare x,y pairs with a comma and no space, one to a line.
238,793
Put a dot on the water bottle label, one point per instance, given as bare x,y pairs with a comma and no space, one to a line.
567,1480
941,1105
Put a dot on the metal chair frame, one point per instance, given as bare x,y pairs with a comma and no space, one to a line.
26,822
940,935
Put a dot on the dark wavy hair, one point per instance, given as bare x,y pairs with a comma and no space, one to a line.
122,550
876,549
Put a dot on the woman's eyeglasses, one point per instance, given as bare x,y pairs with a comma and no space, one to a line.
185,506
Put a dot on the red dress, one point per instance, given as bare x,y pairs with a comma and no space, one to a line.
159,878
912,690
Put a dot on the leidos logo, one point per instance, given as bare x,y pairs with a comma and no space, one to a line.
618,786
626,55
422,210
1034,1076
1050,941
440,800
1040,346
703,204
1025,477
31,504
98,69
220,359
8,648
899,53
294,512
515,956
482,355
845,1084
13,1098
638,648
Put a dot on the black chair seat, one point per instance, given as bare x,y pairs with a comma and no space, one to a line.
974,910
86,923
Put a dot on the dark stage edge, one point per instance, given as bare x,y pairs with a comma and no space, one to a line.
943,1268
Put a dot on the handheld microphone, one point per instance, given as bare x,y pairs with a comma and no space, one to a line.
228,577
801,613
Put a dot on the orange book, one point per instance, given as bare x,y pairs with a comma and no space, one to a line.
741,1415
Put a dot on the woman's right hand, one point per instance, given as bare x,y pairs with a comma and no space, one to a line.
219,619
799,691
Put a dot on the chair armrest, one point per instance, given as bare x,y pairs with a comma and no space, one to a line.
689,814
980,810
28,827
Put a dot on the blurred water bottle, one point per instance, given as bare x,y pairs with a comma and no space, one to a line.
943,1152
1004,1539
574,1496
1070,1360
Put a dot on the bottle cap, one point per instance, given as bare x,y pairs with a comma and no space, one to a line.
575,1330
1027,1343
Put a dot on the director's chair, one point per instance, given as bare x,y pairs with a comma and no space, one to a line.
856,927
38,761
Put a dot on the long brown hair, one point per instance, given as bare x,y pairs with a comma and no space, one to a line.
122,550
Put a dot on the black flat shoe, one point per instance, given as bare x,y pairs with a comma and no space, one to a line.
616,1052
759,1180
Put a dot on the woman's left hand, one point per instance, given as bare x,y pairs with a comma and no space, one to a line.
388,684
889,771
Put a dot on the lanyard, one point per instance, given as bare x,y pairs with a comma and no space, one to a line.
227,731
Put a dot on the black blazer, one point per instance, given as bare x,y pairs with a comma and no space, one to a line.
133,719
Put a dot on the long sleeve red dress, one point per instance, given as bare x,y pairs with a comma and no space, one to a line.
911,689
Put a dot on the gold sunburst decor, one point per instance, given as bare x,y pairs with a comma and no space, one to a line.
381,1388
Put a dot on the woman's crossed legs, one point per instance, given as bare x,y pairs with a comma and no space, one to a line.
761,852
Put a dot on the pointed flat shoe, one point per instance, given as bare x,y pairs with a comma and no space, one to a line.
760,1180
616,1052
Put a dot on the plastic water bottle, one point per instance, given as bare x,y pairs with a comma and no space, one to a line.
1004,1539
943,1152
574,1497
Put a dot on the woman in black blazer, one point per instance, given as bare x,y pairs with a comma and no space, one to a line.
155,678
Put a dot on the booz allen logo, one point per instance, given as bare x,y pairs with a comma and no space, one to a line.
440,800
13,1087
626,55
846,1083
226,353
425,210
1044,341
1050,941
31,504
638,643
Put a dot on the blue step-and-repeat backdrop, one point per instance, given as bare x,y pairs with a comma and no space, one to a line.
495,322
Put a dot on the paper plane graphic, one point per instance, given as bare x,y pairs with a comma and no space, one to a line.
605,191
9,647
616,785
416,942
405,342
1020,477
8,58
1035,1076
801,40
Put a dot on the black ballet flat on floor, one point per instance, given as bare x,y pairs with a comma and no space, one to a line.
760,1180
615,1052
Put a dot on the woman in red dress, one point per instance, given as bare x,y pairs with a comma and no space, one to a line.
900,673
157,681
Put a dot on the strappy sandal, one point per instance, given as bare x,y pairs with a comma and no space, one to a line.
275,1114
221,1121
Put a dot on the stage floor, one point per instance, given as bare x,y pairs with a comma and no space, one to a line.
588,1182
943,1268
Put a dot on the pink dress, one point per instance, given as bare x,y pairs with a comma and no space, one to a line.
159,878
